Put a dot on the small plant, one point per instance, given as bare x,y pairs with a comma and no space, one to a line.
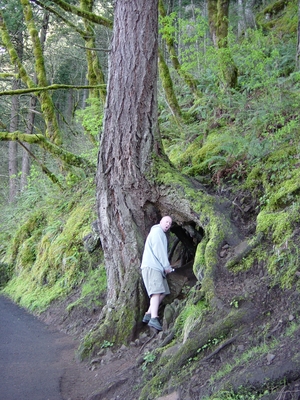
148,358
106,344
234,303
210,343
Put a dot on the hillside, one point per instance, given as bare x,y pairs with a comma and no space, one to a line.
258,360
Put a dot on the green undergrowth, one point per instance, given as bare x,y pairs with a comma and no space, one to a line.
93,287
45,248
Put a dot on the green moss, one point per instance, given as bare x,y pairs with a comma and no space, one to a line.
189,317
28,233
93,287
47,250
279,225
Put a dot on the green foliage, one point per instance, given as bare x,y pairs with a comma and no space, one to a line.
93,288
6,273
91,117
242,394
190,315
193,41
45,246
106,344
148,359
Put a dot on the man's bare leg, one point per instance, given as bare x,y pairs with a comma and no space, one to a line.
155,301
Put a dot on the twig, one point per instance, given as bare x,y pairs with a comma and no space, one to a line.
224,344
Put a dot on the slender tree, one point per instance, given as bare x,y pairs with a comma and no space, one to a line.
218,11
31,112
298,40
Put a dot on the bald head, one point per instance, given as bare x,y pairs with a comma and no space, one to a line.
166,223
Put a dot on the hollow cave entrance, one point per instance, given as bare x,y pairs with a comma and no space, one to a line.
183,241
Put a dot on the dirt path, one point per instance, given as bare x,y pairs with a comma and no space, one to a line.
34,358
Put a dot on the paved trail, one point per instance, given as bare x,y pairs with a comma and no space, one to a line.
33,356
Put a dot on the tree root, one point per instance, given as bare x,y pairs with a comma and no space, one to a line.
197,339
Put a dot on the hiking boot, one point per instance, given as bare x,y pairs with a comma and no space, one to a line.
146,318
154,323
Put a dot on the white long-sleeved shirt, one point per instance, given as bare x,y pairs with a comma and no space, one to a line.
156,250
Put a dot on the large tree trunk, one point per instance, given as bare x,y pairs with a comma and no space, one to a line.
136,183
130,132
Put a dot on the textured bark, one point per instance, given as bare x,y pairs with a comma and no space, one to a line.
136,183
130,131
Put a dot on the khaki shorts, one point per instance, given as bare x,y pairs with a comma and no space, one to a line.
154,282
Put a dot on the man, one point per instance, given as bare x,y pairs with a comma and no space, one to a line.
155,266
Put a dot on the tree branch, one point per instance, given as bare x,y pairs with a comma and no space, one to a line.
51,87
93,48
65,20
53,178
5,75
56,151
97,19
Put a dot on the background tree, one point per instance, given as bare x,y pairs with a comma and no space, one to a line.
218,11
298,40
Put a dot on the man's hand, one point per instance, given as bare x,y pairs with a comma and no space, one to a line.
169,270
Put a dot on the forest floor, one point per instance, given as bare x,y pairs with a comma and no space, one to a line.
263,357
122,373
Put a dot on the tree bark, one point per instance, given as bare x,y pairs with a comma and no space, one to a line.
130,134
136,184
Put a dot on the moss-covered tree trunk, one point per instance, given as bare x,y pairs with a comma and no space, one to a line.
13,146
298,40
188,78
94,74
136,183
218,11
167,83
52,129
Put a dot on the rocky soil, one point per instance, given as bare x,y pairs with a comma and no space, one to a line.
272,372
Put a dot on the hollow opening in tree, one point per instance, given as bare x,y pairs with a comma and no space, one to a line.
183,241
